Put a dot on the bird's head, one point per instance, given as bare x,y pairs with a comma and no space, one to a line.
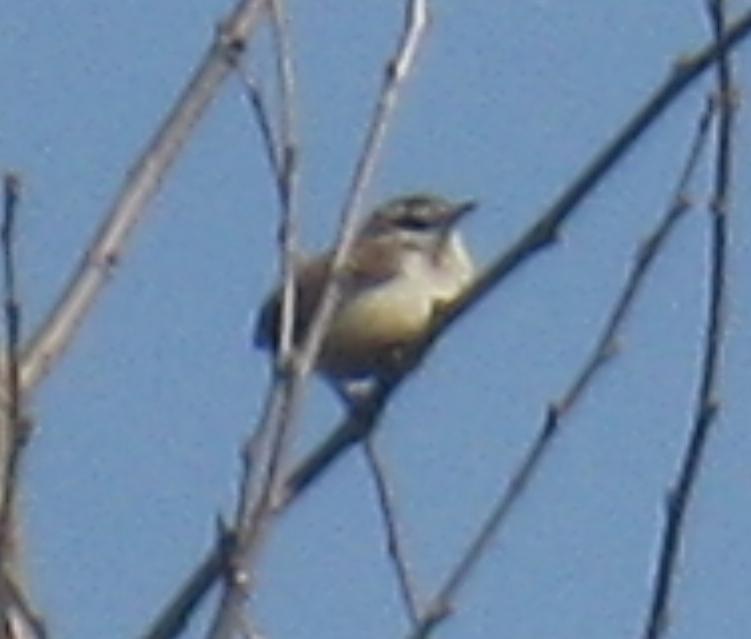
419,219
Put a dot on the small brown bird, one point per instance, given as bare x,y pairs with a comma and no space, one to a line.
406,263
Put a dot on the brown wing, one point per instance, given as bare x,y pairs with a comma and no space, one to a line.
311,276
373,262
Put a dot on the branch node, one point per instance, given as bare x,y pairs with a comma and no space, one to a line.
107,261
684,201
555,409
231,43
710,409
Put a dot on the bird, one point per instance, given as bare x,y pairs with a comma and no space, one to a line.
407,263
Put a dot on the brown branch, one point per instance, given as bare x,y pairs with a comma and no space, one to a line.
289,153
607,344
540,234
707,402
396,74
261,477
394,544
142,181
15,431
353,430
441,604
282,151
544,232
15,608
359,423
19,620
175,616
254,94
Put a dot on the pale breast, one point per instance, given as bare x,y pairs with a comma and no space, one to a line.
371,325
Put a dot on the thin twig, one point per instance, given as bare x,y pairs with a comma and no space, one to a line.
106,249
397,73
253,517
360,422
542,233
287,180
350,432
253,513
707,401
253,520
12,196
282,152
441,604
175,616
255,96
24,621
394,545
15,431
289,153
14,601
648,251
263,450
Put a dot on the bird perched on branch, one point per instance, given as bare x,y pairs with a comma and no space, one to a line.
407,262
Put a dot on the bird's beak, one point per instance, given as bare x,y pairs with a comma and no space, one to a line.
460,210
455,215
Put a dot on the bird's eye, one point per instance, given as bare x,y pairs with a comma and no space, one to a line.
414,223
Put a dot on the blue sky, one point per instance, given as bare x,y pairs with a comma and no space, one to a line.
139,428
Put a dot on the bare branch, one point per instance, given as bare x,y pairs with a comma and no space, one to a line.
15,435
253,517
282,151
12,306
394,544
397,72
289,153
363,418
177,614
254,93
543,233
707,402
607,343
441,604
142,181
539,235
15,608
360,422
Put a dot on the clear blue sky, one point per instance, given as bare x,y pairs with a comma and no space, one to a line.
139,429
